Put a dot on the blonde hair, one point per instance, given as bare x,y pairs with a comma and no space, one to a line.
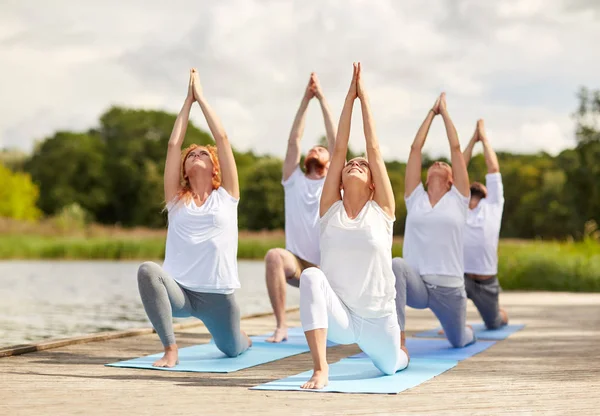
185,193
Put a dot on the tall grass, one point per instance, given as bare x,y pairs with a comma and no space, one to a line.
523,265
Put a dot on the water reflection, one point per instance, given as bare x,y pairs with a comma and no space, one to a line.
57,299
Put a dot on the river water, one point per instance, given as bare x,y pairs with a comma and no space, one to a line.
57,299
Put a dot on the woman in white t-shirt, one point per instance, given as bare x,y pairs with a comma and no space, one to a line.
351,298
199,273
431,273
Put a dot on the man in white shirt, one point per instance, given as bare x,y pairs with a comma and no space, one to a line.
302,196
482,232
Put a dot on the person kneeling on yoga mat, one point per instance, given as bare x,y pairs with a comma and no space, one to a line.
351,298
482,233
431,273
199,273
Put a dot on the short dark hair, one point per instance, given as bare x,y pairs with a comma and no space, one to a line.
478,189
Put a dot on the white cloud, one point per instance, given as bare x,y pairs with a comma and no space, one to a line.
516,63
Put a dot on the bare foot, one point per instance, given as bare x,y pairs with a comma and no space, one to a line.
504,316
280,334
319,379
403,348
170,359
248,338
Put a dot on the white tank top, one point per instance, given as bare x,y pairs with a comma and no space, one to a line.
356,258
201,249
302,197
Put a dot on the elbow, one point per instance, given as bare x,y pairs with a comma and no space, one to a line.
414,148
455,148
494,169
175,145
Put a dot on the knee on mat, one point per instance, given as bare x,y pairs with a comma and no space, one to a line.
387,368
230,346
148,270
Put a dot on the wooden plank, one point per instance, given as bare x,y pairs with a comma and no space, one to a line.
552,367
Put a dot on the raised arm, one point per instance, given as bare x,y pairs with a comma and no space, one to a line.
459,168
468,152
383,195
331,189
412,177
229,175
292,156
491,160
330,130
171,180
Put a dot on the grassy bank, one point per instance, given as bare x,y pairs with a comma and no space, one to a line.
524,265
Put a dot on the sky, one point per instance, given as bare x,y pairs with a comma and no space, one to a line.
516,64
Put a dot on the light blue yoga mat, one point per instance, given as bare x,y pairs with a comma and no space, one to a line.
206,358
439,349
480,331
359,375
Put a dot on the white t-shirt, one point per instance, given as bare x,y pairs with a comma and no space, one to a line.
356,258
482,230
201,249
433,238
302,198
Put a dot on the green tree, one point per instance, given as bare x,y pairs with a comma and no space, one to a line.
18,196
262,200
69,168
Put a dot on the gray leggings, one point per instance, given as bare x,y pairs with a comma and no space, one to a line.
449,304
164,298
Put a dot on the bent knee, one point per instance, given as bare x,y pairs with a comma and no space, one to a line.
148,270
399,266
387,368
233,349
311,277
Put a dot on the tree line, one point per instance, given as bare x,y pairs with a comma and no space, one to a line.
114,172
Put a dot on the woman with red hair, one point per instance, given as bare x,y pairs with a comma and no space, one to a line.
199,274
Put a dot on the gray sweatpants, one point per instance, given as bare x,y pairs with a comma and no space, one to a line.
449,304
164,298
484,294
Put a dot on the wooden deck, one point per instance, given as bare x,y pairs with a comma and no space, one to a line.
550,367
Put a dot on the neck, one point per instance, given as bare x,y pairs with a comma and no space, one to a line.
201,188
316,173
436,189
355,199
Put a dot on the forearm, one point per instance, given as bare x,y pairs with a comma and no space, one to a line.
468,153
214,124
343,133
421,135
330,129
299,121
491,160
180,126
451,132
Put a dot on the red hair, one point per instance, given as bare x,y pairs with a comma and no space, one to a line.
185,193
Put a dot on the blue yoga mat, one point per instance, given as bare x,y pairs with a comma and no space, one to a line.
206,358
439,349
480,331
359,375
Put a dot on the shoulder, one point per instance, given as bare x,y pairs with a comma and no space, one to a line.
458,197
296,175
224,197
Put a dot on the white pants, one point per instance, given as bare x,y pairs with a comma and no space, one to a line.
379,338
